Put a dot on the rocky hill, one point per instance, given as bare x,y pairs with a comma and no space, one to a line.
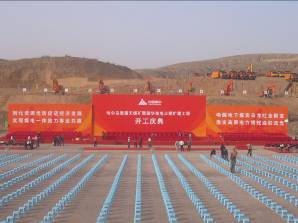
261,64
42,71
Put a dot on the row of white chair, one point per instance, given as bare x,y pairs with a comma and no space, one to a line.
104,212
30,173
6,157
24,166
138,196
277,178
67,198
199,205
277,164
35,200
274,206
275,189
15,160
290,159
164,192
226,202
9,197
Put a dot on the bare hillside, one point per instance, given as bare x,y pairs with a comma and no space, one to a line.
261,64
40,71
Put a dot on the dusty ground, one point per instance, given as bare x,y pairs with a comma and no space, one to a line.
86,206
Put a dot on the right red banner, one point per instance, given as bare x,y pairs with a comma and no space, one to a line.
246,119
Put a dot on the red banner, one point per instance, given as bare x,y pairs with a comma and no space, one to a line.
149,113
246,119
50,118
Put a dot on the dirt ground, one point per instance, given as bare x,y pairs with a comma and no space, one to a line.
85,207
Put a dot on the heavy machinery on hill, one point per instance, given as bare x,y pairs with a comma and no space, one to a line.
291,77
191,88
278,74
216,74
236,75
102,88
58,89
229,88
149,88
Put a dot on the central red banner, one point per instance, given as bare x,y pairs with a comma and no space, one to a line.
149,113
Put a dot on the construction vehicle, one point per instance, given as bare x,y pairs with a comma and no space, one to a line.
149,89
249,68
216,74
278,74
236,75
251,74
58,89
102,88
229,88
190,89
291,77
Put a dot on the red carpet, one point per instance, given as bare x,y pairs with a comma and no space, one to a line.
145,149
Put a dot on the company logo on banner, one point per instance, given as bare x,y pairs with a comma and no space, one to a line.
150,102
50,117
148,113
142,102
247,119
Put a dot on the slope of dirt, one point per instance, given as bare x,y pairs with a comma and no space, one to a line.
41,71
261,64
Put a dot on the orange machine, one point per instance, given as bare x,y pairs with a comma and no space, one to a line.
58,89
102,88
229,88
216,74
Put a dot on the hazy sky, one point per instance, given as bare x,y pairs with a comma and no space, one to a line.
147,34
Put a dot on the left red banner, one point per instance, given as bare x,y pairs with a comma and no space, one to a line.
50,118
